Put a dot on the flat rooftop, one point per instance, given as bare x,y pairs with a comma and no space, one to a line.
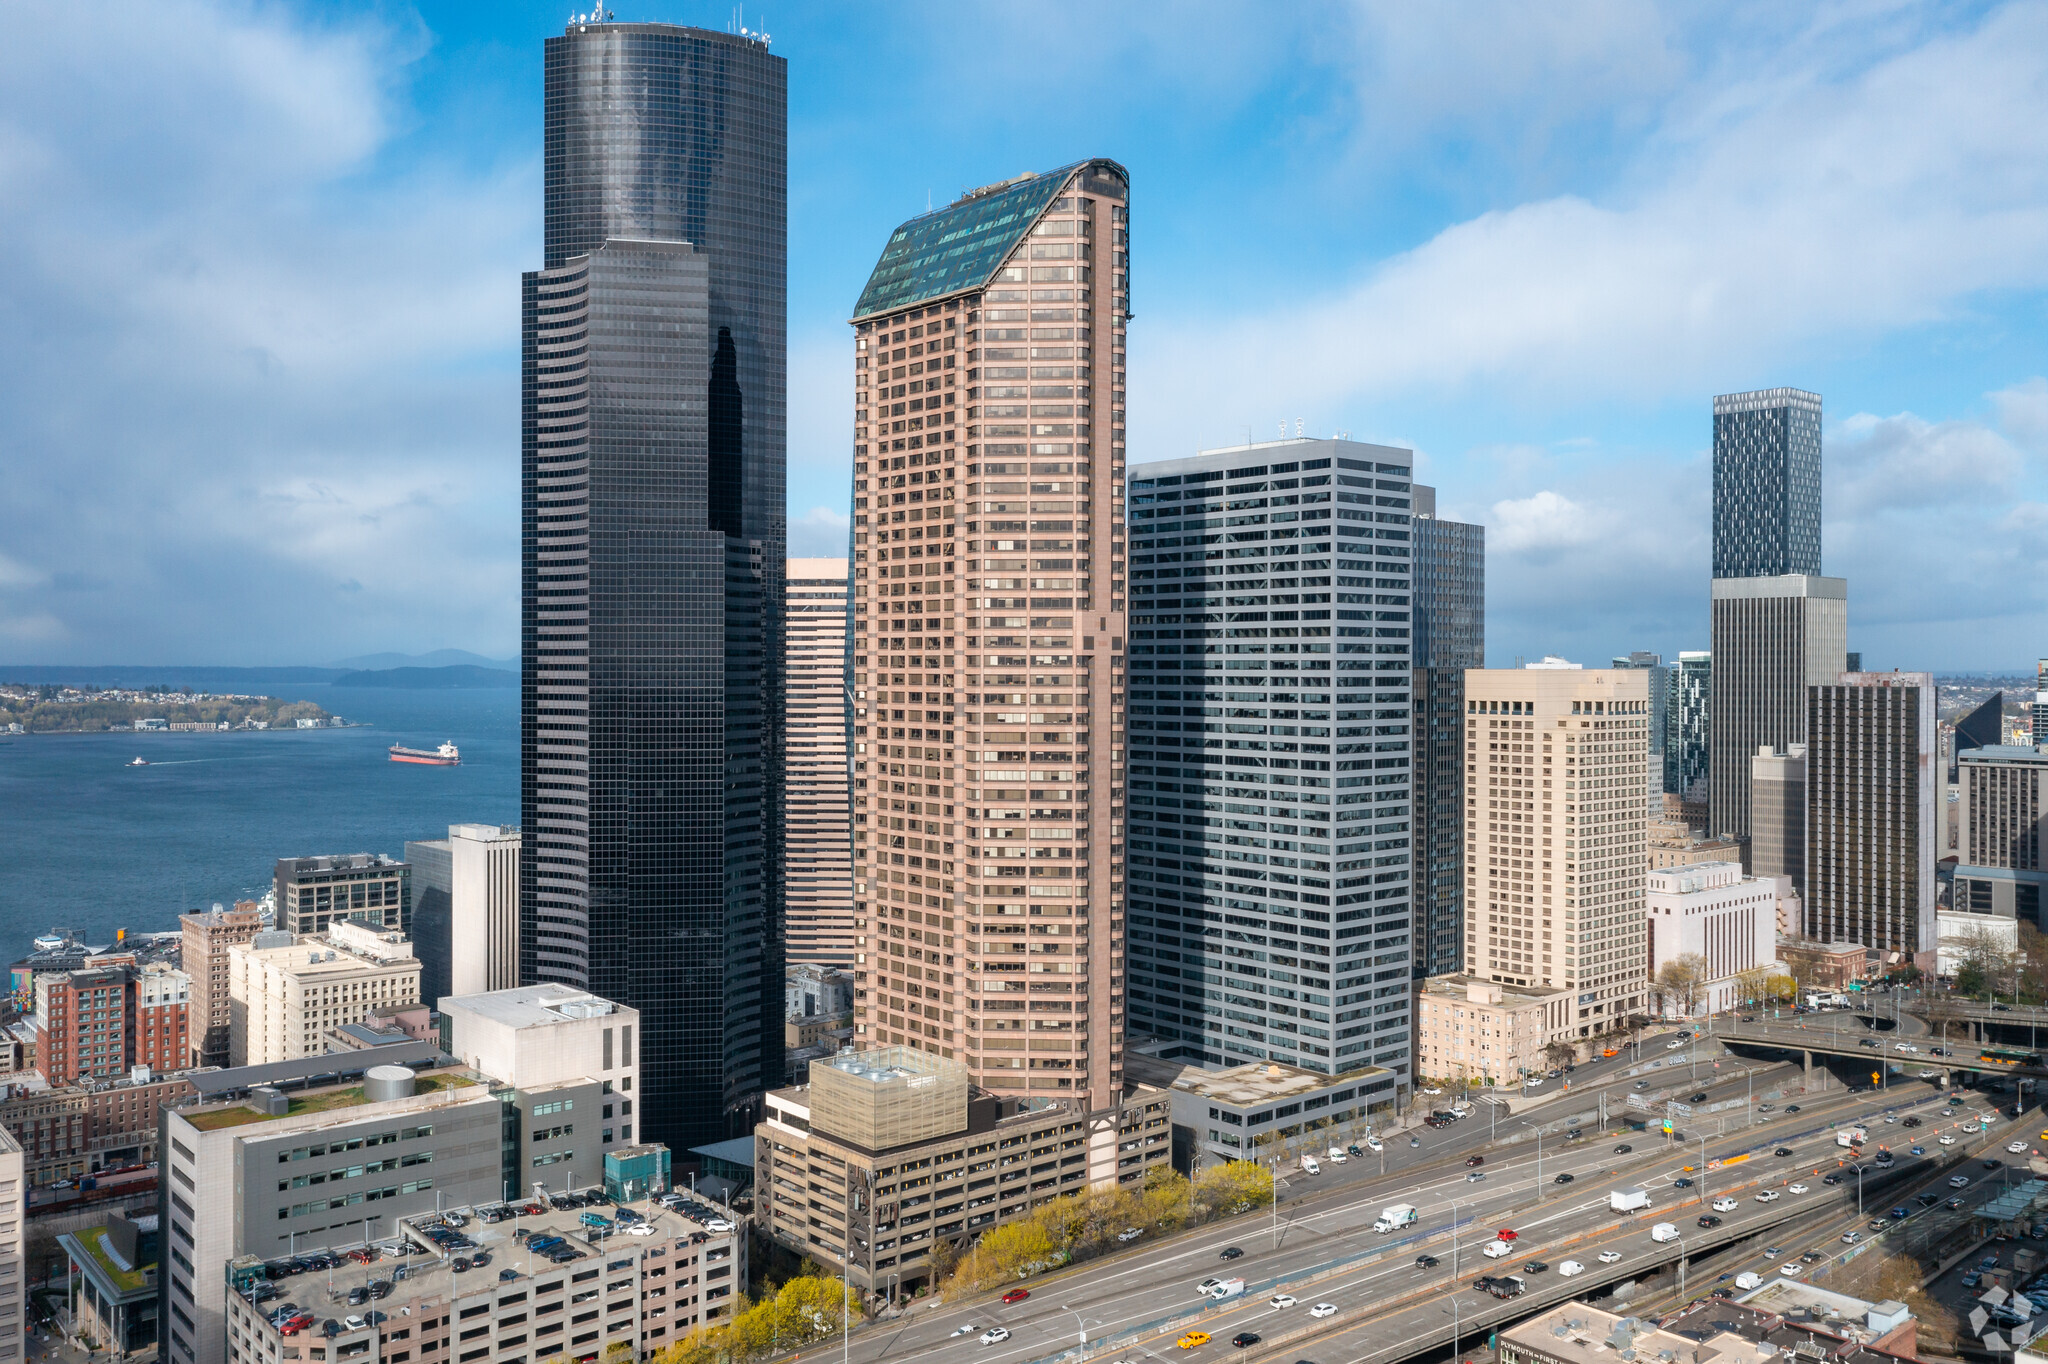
534,1006
1575,1333
429,1271
212,1117
1255,1082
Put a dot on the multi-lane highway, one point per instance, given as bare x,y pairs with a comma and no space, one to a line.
1321,1249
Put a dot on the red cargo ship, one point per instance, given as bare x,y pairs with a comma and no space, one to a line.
447,755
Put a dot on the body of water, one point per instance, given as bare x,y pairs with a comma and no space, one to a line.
89,843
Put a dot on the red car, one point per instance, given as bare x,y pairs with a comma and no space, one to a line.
296,1324
1016,1295
1505,1234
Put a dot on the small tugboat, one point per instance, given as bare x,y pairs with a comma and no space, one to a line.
139,762
447,755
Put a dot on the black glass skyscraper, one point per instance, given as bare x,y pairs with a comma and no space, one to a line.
653,544
1450,636
1766,483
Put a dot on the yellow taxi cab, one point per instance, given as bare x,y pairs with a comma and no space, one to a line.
1194,1338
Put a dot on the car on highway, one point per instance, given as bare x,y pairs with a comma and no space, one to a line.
1571,1267
1323,1309
1474,1176
1475,1160
1282,1300
1245,1339
1904,1046
1015,1295
1642,1084
1535,1267
1959,1181
1724,1204
1674,1044
1205,1285
1795,1188
1772,1252
1831,1179
1563,1179
1623,1149
1230,1253
1812,1257
1193,1339
1505,1234
1608,1257
1782,1151
1899,1214
1791,1108
1494,1250
1991,1164
1910,1122
1682,1182
2015,1148
1850,1238
1946,1140
1790,1268
1768,1196
1427,1262
1610,1051
1699,1098
1954,1205
1917,1150
1709,1220
996,1336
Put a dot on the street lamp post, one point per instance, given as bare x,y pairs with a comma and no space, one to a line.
1084,1329
1454,1238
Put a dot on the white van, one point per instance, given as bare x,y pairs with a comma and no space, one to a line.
1309,1166
1495,1249
1664,1231
1337,1154
1747,1280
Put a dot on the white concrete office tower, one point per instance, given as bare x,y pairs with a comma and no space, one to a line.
556,1044
1271,819
1777,840
818,838
1773,638
1556,845
1871,777
2003,805
286,990
483,907
988,556
1711,911
13,1246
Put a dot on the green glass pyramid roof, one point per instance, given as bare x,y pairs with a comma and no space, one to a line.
959,246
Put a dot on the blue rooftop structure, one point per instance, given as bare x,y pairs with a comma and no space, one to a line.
960,246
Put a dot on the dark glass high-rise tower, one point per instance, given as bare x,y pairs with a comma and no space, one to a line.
1450,636
653,543
1766,483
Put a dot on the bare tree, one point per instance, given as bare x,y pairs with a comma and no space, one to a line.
1680,980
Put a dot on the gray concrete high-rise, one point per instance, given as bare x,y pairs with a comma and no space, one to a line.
1773,638
653,545
1450,637
1777,841
1262,820
1871,774
1766,483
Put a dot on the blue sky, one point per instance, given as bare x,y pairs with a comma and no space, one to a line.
260,392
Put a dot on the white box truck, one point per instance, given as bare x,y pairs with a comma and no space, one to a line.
1309,1166
1664,1231
1627,1200
1394,1217
1229,1288
1851,1136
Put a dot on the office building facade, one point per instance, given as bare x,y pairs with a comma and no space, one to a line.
286,990
433,886
94,1025
1450,637
1688,722
483,908
819,835
988,543
1983,727
206,939
1999,869
1870,811
1773,639
1725,920
653,546
1556,842
313,892
1767,461
1238,656
1777,840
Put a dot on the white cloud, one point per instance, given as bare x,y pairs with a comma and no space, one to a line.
1769,208
277,370
2023,413
819,533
